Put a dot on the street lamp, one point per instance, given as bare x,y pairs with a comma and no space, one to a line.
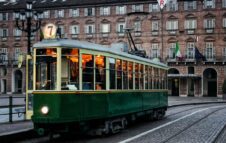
25,22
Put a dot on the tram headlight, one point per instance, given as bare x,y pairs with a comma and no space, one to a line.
45,110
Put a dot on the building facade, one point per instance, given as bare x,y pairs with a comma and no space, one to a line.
196,28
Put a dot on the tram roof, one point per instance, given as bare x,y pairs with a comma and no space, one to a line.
92,46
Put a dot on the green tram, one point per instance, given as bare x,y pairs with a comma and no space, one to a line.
82,86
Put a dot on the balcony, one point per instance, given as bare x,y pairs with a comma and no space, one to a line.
172,32
155,33
89,35
190,31
121,34
137,33
105,35
74,36
209,30
4,39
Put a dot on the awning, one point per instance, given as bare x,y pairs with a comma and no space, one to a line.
194,76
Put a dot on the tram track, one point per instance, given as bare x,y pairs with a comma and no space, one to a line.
195,123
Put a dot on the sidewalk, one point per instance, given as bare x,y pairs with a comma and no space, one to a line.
26,126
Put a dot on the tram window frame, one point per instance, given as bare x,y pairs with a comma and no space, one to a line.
88,72
130,75
70,80
137,76
46,62
141,76
100,73
119,74
112,73
150,77
146,77
125,74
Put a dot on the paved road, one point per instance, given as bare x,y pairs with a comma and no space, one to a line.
187,124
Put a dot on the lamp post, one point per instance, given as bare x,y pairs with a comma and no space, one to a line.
28,21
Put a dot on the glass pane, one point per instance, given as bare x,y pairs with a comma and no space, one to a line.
70,69
46,69
130,75
125,75
137,84
100,73
119,73
88,72
112,73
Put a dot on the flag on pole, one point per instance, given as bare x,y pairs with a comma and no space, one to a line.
162,3
177,51
198,55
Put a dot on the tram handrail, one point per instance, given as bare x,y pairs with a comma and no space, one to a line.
10,102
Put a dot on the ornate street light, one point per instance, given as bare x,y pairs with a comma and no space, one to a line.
28,21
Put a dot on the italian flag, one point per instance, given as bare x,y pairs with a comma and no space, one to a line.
177,51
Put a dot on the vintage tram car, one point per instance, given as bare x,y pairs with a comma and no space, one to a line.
82,86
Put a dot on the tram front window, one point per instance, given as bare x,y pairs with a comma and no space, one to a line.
46,69
70,69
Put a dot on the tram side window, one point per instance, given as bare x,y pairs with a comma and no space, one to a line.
46,69
146,75
119,74
87,72
100,73
137,76
130,74
70,69
150,77
155,78
141,76
125,75
112,70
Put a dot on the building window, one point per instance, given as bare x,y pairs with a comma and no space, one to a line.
224,3
89,11
191,70
137,26
16,54
172,25
190,52
17,32
224,53
224,22
4,33
155,50
155,25
59,13
105,28
172,5
190,5
154,7
209,4
61,30
172,47
209,51
74,12
137,8
209,25
3,55
190,25
4,16
121,27
74,29
46,14
104,10
89,29
121,10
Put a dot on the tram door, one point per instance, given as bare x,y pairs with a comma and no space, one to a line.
29,87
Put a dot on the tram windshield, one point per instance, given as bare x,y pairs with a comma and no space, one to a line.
46,69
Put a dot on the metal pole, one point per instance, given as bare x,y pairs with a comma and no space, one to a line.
11,109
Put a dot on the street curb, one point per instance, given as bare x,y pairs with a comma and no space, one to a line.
196,103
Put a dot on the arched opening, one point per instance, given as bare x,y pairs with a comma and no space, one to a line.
173,82
18,81
210,82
